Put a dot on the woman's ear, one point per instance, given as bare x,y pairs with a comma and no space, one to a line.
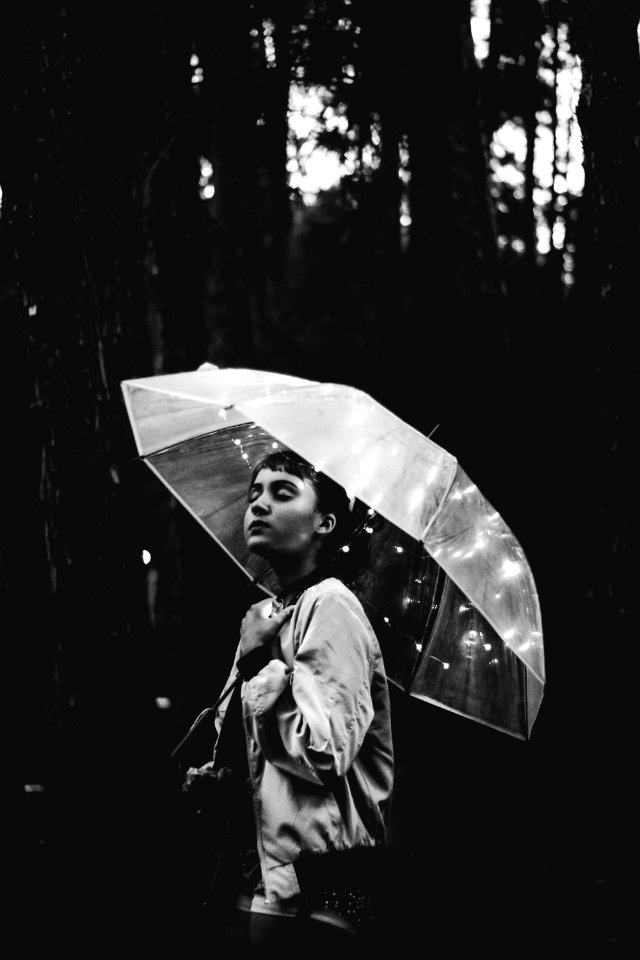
326,524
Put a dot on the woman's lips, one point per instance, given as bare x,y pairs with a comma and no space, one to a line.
258,525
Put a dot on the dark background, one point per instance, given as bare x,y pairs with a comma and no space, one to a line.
115,266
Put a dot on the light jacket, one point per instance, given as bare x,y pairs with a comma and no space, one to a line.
318,736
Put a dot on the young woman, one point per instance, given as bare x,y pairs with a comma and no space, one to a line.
304,746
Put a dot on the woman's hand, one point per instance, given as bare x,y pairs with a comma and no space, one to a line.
258,630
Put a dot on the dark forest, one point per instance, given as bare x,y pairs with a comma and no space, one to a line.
472,265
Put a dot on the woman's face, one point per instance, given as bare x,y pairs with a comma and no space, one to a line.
282,520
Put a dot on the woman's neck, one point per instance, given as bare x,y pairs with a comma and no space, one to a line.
289,577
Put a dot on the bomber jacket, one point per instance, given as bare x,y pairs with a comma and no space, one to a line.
318,736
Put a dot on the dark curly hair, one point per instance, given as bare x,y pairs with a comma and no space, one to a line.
345,552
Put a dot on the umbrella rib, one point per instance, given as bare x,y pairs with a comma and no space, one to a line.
438,510
173,446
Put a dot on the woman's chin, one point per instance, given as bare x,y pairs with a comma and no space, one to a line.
259,547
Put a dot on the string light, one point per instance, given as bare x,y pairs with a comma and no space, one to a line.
146,557
445,663
510,568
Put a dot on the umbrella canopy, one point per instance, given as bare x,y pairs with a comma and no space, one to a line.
448,589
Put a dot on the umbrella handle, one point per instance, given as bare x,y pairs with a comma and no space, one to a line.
205,713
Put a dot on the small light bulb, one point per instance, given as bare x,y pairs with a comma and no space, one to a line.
345,549
146,557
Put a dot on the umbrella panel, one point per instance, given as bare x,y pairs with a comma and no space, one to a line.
436,645
210,476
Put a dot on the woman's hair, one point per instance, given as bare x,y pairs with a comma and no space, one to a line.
344,551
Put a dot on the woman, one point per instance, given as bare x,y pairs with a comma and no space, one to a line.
309,733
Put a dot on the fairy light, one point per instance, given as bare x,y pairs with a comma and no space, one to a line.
386,619
487,646
237,442
445,663
368,529
399,549
146,557
345,549
510,568
509,634
274,445
163,703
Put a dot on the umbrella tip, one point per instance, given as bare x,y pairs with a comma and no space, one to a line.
208,366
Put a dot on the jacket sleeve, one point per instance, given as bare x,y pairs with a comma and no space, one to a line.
311,720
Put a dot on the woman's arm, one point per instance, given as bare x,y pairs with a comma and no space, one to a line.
311,721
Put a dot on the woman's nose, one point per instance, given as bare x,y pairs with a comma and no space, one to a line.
259,506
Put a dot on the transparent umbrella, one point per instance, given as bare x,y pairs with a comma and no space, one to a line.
448,589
